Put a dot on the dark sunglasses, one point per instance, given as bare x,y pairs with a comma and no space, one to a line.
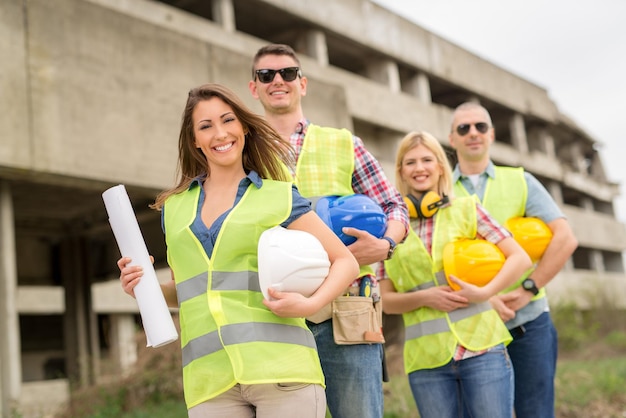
464,128
287,74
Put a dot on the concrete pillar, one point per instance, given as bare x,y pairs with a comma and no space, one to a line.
385,72
518,133
587,204
419,86
224,14
597,261
547,143
316,47
578,158
77,315
123,342
10,356
597,168
554,188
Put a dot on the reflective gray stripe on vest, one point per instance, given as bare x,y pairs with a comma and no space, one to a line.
434,326
269,332
201,346
222,280
238,280
191,288
423,286
471,310
441,280
438,325
250,332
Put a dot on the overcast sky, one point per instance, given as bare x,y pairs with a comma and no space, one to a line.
575,49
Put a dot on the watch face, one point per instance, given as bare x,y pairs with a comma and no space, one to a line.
529,284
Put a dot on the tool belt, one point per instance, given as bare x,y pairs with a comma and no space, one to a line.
356,319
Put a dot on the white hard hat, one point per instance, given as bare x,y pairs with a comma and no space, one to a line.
291,261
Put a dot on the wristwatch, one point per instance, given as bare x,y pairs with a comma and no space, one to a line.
529,285
392,246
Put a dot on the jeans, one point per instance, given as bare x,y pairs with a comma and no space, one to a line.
481,385
353,373
534,354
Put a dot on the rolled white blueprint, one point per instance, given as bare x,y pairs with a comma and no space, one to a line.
155,315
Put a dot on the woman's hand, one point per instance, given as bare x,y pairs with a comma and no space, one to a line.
473,293
290,304
444,299
129,275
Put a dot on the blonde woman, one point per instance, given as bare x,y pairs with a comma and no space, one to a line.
454,351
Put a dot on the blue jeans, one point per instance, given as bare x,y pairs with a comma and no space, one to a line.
534,354
481,385
354,375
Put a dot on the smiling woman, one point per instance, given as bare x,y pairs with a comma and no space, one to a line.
234,184
465,338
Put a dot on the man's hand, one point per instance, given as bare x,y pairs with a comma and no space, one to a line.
516,299
506,314
367,249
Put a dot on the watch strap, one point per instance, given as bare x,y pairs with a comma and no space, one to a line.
392,246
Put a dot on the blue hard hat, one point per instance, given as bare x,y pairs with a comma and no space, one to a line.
355,211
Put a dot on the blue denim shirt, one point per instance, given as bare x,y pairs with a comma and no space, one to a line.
208,235
539,204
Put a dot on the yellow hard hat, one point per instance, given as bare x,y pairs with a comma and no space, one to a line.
473,261
532,234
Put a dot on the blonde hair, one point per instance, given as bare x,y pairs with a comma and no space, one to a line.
264,152
412,140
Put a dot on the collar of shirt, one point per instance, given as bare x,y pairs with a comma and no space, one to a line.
297,137
252,177
490,170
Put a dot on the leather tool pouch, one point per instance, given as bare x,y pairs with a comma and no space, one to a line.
357,320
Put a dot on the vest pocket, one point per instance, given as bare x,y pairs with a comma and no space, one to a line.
357,320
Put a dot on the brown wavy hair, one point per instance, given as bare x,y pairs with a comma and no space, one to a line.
264,151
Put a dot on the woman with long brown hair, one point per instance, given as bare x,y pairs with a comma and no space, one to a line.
243,355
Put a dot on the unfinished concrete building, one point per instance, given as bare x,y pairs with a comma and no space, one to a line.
92,96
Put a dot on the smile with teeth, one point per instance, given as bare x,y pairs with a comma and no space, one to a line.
224,147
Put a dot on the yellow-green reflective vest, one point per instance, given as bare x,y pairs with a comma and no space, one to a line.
227,335
431,336
325,166
505,197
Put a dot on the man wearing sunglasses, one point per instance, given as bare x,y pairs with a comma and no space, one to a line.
508,192
333,162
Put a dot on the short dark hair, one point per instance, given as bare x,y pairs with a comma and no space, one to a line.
274,49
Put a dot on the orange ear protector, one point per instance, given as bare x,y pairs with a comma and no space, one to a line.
425,206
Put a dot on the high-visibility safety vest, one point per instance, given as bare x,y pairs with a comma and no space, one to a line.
227,335
431,336
325,166
505,197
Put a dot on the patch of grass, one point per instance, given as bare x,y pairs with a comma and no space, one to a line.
590,381
399,401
